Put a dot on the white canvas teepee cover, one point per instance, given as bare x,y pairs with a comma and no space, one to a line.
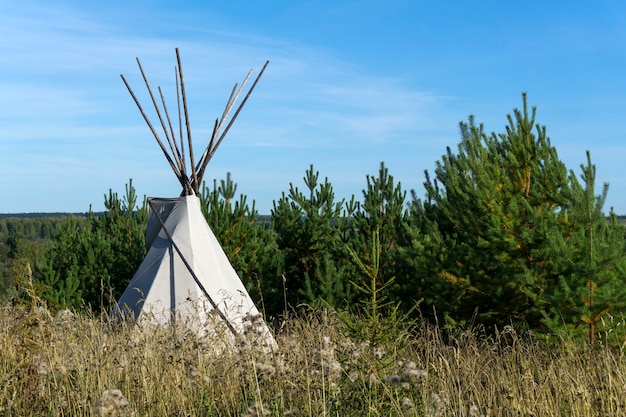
186,277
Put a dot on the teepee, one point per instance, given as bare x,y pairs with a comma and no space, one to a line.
186,278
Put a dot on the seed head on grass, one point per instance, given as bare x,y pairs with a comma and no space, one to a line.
437,405
112,403
265,370
64,319
326,361
407,406
412,374
378,352
196,376
41,365
474,411
392,379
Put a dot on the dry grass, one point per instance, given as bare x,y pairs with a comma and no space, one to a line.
73,365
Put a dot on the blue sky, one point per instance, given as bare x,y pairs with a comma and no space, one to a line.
350,84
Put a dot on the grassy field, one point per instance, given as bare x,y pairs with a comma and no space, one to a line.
71,365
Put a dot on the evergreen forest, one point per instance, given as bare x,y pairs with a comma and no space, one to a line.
504,235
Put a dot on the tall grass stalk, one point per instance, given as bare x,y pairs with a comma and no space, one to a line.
63,365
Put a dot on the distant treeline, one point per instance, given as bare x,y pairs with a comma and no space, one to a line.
38,215
57,215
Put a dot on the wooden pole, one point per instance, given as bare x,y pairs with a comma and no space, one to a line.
194,174
154,133
212,152
173,145
218,126
180,122
158,112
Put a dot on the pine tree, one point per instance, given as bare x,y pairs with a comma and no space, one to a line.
493,205
383,218
59,276
312,229
89,265
122,228
591,275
